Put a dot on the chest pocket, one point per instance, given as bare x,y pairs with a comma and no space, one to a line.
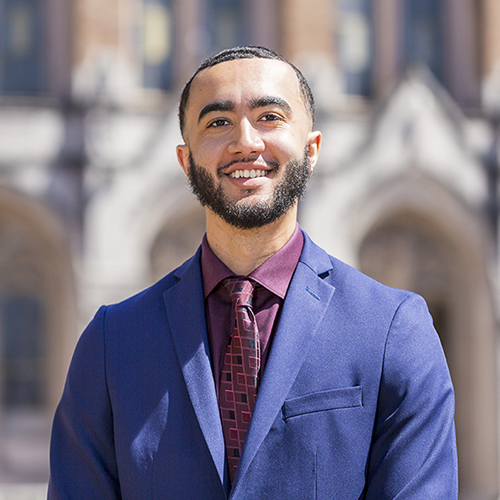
335,399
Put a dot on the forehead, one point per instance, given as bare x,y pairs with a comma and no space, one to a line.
242,80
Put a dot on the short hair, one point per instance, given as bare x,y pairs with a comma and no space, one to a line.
245,52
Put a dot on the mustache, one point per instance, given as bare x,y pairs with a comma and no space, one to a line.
220,170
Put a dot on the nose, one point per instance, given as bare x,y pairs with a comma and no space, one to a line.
246,139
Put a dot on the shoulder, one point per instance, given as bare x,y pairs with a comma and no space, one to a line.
145,313
128,325
352,287
399,319
397,322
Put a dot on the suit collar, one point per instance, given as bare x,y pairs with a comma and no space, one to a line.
315,257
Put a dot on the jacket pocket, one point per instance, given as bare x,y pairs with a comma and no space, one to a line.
335,399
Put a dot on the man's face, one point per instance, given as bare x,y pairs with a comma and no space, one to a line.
249,148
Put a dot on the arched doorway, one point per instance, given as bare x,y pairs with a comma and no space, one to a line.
406,252
428,242
37,325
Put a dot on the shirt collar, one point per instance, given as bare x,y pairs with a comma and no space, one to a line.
274,274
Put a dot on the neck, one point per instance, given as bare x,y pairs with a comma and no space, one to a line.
243,250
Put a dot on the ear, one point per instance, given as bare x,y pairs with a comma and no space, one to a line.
183,157
314,143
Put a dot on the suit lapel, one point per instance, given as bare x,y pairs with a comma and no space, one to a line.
186,316
306,303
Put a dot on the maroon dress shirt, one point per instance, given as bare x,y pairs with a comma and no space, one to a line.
272,277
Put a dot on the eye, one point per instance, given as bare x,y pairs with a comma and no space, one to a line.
270,117
219,122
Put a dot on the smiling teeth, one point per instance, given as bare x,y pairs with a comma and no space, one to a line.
248,174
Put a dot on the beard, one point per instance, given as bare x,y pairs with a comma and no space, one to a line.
287,192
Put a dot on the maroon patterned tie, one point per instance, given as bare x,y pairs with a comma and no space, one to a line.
239,379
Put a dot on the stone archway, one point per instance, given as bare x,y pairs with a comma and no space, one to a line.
405,252
177,240
428,243
37,332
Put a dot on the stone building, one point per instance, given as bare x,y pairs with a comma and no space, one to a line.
93,206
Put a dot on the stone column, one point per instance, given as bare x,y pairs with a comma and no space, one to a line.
489,21
265,23
489,39
96,26
307,27
189,38
461,50
387,24
59,43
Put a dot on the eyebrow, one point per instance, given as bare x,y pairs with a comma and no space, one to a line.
262,102
216,106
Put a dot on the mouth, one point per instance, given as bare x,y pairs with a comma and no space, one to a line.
248,173
255,168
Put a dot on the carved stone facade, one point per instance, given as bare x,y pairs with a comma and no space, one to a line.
93,206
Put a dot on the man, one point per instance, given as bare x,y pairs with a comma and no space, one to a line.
343,387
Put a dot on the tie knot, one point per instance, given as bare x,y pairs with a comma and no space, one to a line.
240,290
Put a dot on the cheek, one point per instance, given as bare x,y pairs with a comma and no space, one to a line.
286,147
207,152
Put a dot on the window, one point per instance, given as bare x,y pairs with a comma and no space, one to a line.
227,24
158,39
355,47
21,47
23,370
423,40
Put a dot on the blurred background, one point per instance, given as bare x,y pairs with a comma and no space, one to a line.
93,206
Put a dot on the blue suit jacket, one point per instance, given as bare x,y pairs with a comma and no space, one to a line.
356,400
